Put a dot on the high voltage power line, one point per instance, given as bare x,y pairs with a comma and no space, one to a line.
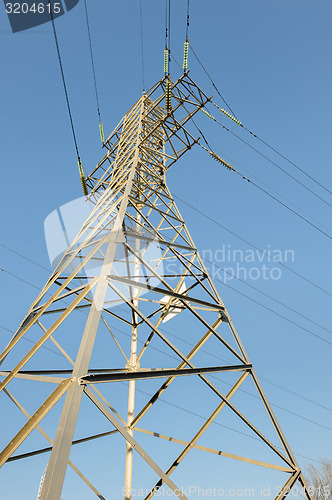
263,183
213,84
265,380
264,156
274,312
142,44
229,167
269,160
262,252
101,130
272,189
250,393
255,135
79,163
265,294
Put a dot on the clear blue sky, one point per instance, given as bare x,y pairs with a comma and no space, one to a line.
271,62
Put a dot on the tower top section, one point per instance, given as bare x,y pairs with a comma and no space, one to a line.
163,112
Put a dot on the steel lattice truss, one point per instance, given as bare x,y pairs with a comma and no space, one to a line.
135,250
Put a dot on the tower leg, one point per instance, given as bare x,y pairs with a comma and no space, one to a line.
57,465
129,448
132,365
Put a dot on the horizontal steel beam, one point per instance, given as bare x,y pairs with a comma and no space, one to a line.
162,291
49,448
159,373
36,377
161,241
217,452
68,372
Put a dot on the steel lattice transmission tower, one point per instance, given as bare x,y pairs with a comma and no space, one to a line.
134,264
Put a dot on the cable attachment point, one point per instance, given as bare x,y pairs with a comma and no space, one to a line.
208,114
168,96
220,160
101,130
82,177
185,55
166,57
229,115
